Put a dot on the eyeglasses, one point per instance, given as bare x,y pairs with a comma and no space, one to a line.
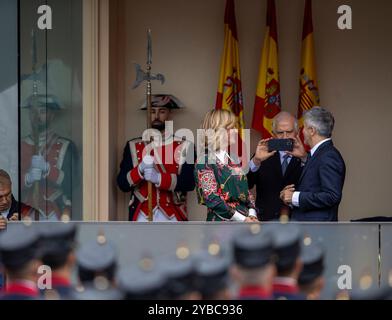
6,196
280,133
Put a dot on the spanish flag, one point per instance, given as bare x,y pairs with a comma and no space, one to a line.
309,92
230,89
268,103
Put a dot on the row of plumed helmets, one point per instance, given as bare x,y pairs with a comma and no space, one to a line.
175,276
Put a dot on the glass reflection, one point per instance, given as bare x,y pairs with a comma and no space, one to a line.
51,111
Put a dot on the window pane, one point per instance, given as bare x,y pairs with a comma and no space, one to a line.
51,110
9,91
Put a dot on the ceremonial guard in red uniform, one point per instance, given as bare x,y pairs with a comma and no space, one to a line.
168,164
47,162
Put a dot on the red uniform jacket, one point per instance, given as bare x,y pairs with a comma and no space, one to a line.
176,178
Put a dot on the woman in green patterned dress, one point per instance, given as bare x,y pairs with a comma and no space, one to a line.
221,184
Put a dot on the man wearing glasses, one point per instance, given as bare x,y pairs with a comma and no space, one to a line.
269,171
10,209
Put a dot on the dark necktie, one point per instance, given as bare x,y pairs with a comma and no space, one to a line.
285,163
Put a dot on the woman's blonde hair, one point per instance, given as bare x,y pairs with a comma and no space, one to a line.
216,123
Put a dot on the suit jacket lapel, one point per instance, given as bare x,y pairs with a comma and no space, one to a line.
305,169
13,208
324,146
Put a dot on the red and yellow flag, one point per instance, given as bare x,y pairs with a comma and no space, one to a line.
229,95
309,92
268,103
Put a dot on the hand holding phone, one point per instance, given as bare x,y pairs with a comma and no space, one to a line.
262,152
280,145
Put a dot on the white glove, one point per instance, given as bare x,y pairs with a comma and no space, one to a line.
152,175
148,162
38,162
33,175
252,213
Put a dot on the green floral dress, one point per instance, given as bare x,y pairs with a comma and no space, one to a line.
223,189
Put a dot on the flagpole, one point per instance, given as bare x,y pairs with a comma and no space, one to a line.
149,111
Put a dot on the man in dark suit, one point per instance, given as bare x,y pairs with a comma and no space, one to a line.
318,193
10,209
270,172
7,201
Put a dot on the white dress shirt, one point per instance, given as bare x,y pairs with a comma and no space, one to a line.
222,156
5,214
253,167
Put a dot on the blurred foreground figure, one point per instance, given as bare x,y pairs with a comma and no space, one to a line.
254,269
181,277
97,266
311,280
145,282
213,277
19,251
97,259
372,293
57,245
287,244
